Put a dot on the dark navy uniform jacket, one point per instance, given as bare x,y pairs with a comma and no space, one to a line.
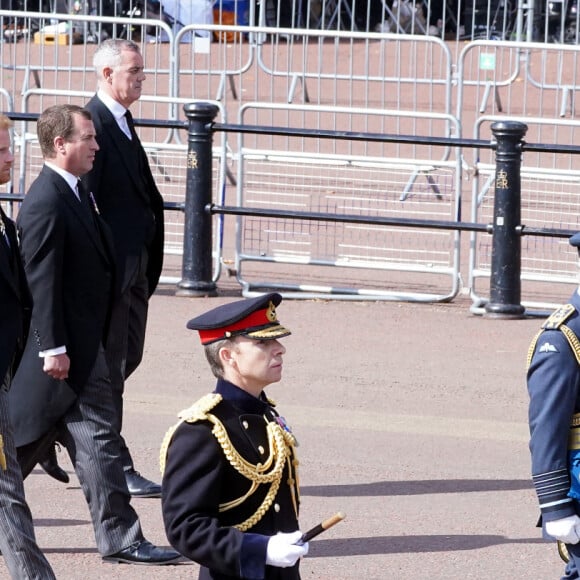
554,388
198,478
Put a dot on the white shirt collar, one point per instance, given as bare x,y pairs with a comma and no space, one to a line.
116,108
71,179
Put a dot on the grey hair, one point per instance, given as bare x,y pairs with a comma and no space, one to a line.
109,53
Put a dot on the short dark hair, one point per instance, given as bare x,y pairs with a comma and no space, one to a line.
57,121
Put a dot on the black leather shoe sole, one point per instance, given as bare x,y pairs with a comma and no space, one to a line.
144,553
145,493
121,560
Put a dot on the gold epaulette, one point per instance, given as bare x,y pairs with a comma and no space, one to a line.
197,412
558,317
556,322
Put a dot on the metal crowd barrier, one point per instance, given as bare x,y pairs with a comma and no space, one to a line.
310,174
541,96
506,227
450,83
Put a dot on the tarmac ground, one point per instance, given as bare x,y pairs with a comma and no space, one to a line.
411,419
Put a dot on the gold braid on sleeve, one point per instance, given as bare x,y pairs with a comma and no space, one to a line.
270,472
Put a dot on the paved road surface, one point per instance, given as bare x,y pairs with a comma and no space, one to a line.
411,419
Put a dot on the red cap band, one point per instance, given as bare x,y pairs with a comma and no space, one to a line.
256,319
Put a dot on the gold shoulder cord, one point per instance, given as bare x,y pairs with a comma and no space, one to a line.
282,452
197,412
532,348
572,340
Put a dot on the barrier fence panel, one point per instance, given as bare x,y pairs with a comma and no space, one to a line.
353,178
554,72
549,199
331,68
541,95
55,61
42,54
210,67
317,64
356,69
518,77
6,99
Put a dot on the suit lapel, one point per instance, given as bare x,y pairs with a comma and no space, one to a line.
126,148
80,213
99,225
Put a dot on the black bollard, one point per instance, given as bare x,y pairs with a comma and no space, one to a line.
197,234
505,282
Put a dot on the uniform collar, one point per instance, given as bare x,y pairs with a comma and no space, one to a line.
241,398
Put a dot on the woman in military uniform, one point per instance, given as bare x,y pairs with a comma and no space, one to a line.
230,485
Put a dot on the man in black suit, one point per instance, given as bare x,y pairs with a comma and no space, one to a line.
63,384
21,553
132,206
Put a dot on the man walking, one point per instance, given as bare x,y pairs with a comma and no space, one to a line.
132,206
63,385
17,542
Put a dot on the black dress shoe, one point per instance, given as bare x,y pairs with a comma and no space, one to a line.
51,466
140,486
145,553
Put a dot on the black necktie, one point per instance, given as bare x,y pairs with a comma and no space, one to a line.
130,124
85,202
144,171
141,156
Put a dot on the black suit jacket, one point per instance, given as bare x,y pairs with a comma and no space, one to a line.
15,301
69,265
127,197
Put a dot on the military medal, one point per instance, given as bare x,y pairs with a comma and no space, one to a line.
282,422
285,427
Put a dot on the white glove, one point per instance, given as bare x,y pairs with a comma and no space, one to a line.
566,530
282,550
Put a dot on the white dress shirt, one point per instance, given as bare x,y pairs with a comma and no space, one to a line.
117,110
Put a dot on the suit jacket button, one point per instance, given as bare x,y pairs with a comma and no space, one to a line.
276,507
